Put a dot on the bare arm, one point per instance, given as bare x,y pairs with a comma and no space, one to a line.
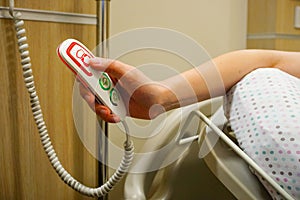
209,80
215,77
289,62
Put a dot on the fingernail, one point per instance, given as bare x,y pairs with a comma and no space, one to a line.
94,61
103,112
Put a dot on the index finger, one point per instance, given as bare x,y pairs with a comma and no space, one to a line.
104,113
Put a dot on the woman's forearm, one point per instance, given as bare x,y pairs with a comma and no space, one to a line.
215,77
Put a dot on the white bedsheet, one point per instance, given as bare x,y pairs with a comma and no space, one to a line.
264,112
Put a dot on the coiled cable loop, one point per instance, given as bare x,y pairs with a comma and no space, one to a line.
41,125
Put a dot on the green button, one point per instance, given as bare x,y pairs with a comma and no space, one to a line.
114,97
105,81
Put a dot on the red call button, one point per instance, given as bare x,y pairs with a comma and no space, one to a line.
80,56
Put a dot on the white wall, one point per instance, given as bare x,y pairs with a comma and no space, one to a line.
218,25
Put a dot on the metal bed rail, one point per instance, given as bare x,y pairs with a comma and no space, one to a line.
181,140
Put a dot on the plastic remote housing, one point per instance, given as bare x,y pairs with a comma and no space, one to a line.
75,55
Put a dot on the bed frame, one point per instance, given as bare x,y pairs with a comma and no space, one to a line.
222,155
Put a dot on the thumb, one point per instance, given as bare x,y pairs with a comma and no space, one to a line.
114,68
99,63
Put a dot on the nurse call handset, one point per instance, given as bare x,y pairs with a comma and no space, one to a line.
75,55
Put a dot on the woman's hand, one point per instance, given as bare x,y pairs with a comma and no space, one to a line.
142,97
146,99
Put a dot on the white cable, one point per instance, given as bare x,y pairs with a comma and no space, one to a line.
43,132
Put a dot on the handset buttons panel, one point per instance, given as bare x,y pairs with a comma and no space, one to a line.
106,84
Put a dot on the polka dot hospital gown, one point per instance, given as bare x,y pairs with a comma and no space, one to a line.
264,112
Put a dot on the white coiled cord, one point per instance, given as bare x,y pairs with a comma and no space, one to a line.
43,132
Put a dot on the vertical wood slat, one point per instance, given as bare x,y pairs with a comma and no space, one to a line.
25,170
275,17
261,16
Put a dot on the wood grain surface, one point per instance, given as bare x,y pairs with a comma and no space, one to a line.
24,167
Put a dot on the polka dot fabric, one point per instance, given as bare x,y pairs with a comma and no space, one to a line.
264,112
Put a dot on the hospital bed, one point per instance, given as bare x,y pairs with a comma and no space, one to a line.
220,153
